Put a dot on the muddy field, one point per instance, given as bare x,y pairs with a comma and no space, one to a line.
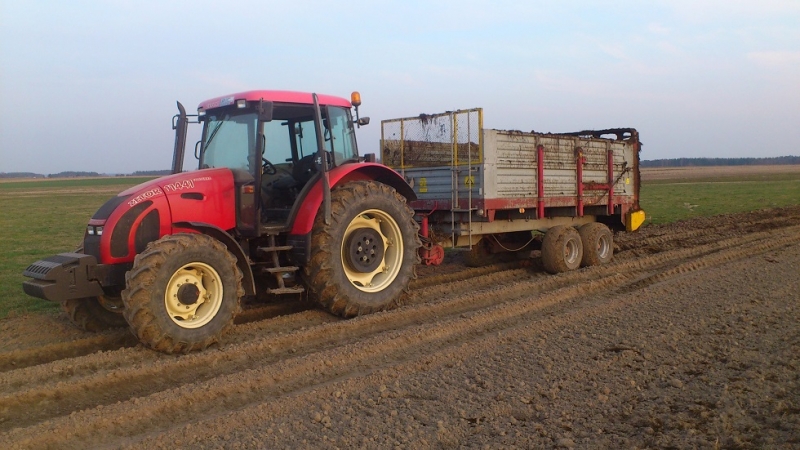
689,338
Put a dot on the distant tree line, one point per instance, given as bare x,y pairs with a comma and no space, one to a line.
148,173
21,175
78,174
73,174
700,162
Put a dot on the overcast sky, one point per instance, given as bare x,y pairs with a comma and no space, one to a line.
92,85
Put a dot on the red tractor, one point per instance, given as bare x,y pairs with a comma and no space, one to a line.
281,203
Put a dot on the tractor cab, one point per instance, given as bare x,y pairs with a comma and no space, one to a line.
275,143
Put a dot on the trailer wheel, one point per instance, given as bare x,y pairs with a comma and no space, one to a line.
598,244
562,249
182,293
88,314
363,260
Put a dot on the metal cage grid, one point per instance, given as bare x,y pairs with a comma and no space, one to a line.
453,138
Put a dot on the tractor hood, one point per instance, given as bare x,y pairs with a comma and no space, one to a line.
178,182
123,226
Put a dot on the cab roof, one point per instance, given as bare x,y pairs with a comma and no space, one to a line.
275,96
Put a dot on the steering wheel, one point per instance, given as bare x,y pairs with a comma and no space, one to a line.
267,167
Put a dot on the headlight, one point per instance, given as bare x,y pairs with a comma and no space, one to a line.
92,230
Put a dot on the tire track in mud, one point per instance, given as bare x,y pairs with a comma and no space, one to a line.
120,380
403,324
41,355
113,340
547,282
298,372
706,230
266,320
296,409
218,426
279,317
122,338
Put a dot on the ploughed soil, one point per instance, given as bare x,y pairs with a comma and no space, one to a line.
689,338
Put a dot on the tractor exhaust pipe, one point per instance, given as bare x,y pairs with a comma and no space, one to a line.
180,124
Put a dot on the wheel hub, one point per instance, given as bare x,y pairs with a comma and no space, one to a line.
571,251
188,294
193,295
372,250
365,250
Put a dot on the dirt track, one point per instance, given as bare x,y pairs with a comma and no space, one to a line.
689,338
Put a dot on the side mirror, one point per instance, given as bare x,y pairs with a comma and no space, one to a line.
265,111
363,121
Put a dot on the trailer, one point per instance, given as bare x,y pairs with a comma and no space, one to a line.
506,191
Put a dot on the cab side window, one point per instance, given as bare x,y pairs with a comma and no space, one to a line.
339,135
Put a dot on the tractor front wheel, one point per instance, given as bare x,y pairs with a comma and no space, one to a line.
182,293
363,260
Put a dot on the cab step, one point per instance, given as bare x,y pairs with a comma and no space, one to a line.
283,269
287,290
279,248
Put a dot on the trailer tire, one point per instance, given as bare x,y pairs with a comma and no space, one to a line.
88,314
598,244
362,261
182,293
562,249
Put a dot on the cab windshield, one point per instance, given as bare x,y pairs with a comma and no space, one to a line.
229,141
230,138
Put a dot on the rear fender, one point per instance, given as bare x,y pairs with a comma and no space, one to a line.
304,220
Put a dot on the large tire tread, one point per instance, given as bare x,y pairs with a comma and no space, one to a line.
591,234
137,297
327,282
553,245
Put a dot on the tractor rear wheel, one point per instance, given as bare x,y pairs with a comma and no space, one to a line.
562,249
182,293
89,314
598,244
363,260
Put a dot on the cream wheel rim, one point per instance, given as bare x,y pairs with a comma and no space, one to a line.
372,250
193,295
